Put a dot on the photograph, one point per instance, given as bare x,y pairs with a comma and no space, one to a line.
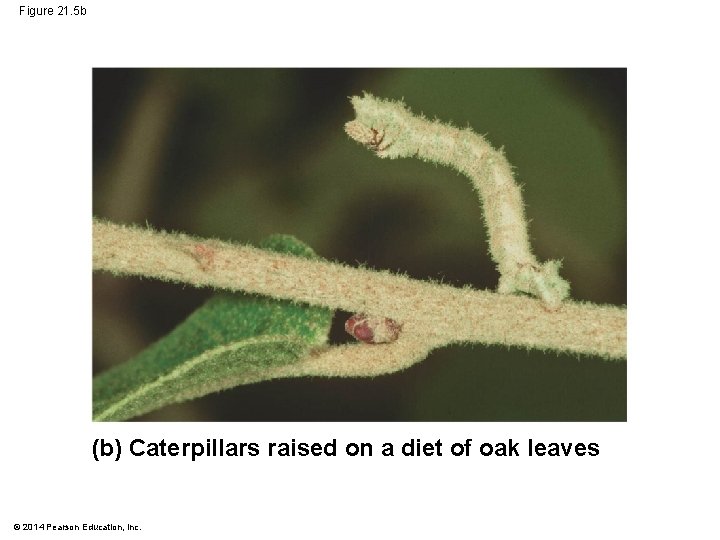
347,244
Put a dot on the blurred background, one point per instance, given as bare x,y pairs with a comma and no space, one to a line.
238,154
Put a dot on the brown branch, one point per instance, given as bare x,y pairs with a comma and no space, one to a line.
432,315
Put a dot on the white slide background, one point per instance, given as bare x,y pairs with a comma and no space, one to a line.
656,475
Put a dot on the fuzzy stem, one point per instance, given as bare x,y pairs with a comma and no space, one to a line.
434,314
392,131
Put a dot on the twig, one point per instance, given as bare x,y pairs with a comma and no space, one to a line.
432,315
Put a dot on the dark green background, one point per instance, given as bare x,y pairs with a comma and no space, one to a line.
241,154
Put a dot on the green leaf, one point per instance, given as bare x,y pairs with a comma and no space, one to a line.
233,339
